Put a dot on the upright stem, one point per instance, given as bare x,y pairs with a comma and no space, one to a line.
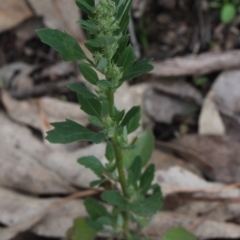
119,163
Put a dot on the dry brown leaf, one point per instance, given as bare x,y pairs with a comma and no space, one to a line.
207,229
28,112
19,168
222,153
210,121
59,14
12,13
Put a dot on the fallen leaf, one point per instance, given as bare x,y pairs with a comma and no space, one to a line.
222,153
210,121
13,13
18,166
59,14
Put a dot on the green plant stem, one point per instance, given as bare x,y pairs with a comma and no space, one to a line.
119,163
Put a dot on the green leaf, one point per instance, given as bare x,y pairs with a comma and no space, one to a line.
91,106
114,198
127,59
141,67
102,65
65,44
228,13
134,172
82,4
81,230
178,233
88,25
122,42
110,154
70,131
132,118
97,182
95,121
80,89
144,148
119,115
147,178
101,41
104,84
89,74
93,163
95,209
147,207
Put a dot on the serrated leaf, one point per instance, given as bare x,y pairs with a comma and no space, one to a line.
139,68
92,163
95,209
102,65
147,178
81,230
134,172
80,89
114,198
82,4
228,13
89,74
70,131
65,44
127,59
110,154
147,207
132,118
91,106
178,233
144,148
95,121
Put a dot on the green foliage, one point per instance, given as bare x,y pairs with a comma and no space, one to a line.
66,45
178,233
70,131
81,230
128,187
228,13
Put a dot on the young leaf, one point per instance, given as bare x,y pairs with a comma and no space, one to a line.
134,172
101,41
95,121
144,148
102,65
81,230
132,118
95,209
70,131
88,25
104,84
178,233
65,44
93,163
147,207
110,154
81,90
127,59
147,178
114,198
89,74
82,4
91,106
141,67
119,115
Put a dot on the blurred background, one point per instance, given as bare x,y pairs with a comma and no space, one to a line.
191,102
